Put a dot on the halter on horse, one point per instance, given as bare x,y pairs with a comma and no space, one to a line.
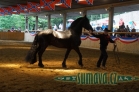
69,39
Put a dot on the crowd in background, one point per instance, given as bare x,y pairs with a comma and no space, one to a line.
99,28
123,28
15,30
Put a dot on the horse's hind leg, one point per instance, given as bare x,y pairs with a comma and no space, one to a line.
34,59
66,56
80,56
40,53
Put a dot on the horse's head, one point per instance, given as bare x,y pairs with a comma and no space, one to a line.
86,24
78,24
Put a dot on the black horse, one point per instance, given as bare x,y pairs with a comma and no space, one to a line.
69,39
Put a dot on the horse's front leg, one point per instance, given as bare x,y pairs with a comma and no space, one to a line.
66,56
80,56
40,53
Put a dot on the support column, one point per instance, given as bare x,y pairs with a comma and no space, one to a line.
111,14
26,23
49,22
64,21
36,25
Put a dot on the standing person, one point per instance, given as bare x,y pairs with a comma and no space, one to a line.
104,40
127,28
121,24
60,26
103,26
19,29
55,27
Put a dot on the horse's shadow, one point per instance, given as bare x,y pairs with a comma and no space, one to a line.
52,67
60,68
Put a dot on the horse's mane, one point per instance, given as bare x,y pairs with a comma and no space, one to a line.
74,23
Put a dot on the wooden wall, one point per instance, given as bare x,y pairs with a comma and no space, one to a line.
11,36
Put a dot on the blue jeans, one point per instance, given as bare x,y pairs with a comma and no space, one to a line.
103,57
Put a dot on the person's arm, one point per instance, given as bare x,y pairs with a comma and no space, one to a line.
91,33
97,36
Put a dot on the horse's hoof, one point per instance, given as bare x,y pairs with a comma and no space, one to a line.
41,65
31,62
64,66
81,66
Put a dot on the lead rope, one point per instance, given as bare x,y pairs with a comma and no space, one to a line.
115,50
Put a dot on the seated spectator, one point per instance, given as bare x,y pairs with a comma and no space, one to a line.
55,27
133,30
127,30
12,29
98,28
122,30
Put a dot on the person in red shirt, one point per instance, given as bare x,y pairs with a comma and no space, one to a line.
104,40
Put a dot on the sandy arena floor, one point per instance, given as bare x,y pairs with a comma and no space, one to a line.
18,76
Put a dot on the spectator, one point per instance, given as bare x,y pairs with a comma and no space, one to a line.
98,28
60,26
55,27
121,24
122,30
127,28
103,26
12,29
19,29
133,30
68,25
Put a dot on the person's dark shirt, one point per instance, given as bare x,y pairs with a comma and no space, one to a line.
104,39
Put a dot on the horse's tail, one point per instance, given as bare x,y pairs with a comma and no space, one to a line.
31,55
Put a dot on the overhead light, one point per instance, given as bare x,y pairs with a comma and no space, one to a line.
58,4
42,6
80,12
106,9
25,9
14,11
60,14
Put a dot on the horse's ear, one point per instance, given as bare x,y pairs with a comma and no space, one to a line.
85,16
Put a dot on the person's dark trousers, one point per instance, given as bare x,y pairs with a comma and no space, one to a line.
103,57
